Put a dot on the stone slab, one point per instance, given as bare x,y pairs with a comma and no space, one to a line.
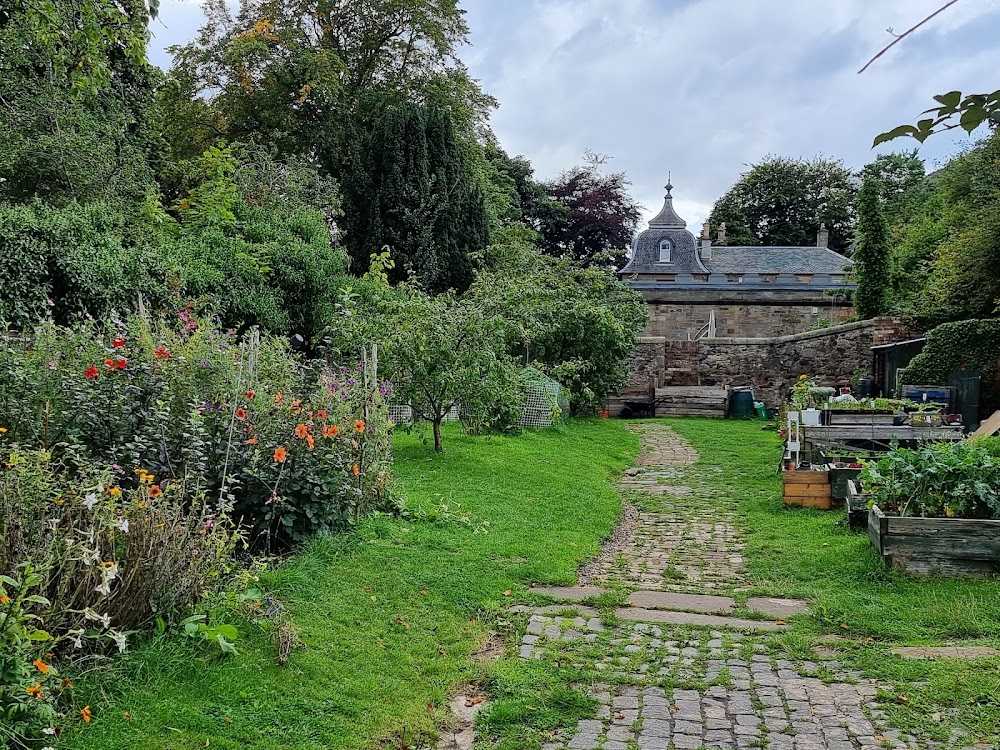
553,609
713,605
945,652
637,614
776,607
569,593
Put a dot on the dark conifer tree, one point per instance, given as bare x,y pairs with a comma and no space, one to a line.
872,254
408,187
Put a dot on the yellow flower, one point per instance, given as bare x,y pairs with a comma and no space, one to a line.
949,512
41,666
115,491
3,430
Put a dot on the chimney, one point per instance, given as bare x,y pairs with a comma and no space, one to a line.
823,236
706,242
722,233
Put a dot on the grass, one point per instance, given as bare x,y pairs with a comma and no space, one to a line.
392,613
811,554
493,515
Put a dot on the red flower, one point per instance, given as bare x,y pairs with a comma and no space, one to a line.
162,353
250,394
118,342
356,470
321,414
120,364
91,373
241,413
109,363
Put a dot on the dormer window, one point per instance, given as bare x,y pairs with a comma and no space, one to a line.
666,247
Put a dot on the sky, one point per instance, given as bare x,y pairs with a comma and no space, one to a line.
704,88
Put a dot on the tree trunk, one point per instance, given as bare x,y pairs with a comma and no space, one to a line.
437,435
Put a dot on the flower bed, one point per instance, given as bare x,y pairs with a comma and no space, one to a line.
136,457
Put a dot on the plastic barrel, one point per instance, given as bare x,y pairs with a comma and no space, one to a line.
741,404
865,387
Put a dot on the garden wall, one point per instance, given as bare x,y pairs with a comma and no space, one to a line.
770,365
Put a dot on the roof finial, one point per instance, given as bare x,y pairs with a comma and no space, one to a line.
669,187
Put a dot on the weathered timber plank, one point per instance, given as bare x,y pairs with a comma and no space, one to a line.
805,477
944,527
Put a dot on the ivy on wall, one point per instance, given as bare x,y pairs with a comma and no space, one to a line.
966,344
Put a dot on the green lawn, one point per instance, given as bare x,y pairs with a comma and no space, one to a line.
390,614
492,515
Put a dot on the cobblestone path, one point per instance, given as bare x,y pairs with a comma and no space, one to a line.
678,684
675,545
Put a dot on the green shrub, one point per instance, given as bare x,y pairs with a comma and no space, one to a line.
967,344
940,480
68,263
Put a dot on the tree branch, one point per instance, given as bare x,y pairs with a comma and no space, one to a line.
906,33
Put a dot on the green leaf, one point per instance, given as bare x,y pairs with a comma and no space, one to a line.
972,118
39,635
950,100
229,632
897,132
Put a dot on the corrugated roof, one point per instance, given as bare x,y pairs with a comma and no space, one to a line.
749,259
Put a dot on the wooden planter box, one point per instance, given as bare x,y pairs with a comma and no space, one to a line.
839,477
837,417
857,506
947,546
807,488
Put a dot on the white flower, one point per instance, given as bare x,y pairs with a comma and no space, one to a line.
77,638
49,730
123,525
110,571
89,556
104,619
104,588
90,500
118,638
49,747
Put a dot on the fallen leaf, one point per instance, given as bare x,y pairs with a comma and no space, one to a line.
423,593
508,592
127,715
780,622
374,598
844,625
902,699
228,719
473,701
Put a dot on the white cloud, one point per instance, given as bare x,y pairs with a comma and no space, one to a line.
704,87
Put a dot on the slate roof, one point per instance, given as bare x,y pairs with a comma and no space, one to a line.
744,259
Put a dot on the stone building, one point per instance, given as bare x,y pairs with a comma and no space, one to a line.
698,289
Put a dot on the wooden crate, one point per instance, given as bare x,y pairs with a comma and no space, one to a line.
807,488
943,546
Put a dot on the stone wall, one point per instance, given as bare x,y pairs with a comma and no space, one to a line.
771,365
678,321
678,314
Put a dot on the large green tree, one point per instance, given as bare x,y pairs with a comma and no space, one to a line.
294,72
75,95
408,187
782,201
872,253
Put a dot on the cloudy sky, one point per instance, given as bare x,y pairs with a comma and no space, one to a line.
703,88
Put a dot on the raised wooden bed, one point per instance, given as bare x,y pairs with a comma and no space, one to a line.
948,546
857,506
809,488
839,477
837,417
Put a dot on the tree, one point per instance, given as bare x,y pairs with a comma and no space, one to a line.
598,219
576,324
293,72
442,353
75,96
782,202
408,187
872,254
899,177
